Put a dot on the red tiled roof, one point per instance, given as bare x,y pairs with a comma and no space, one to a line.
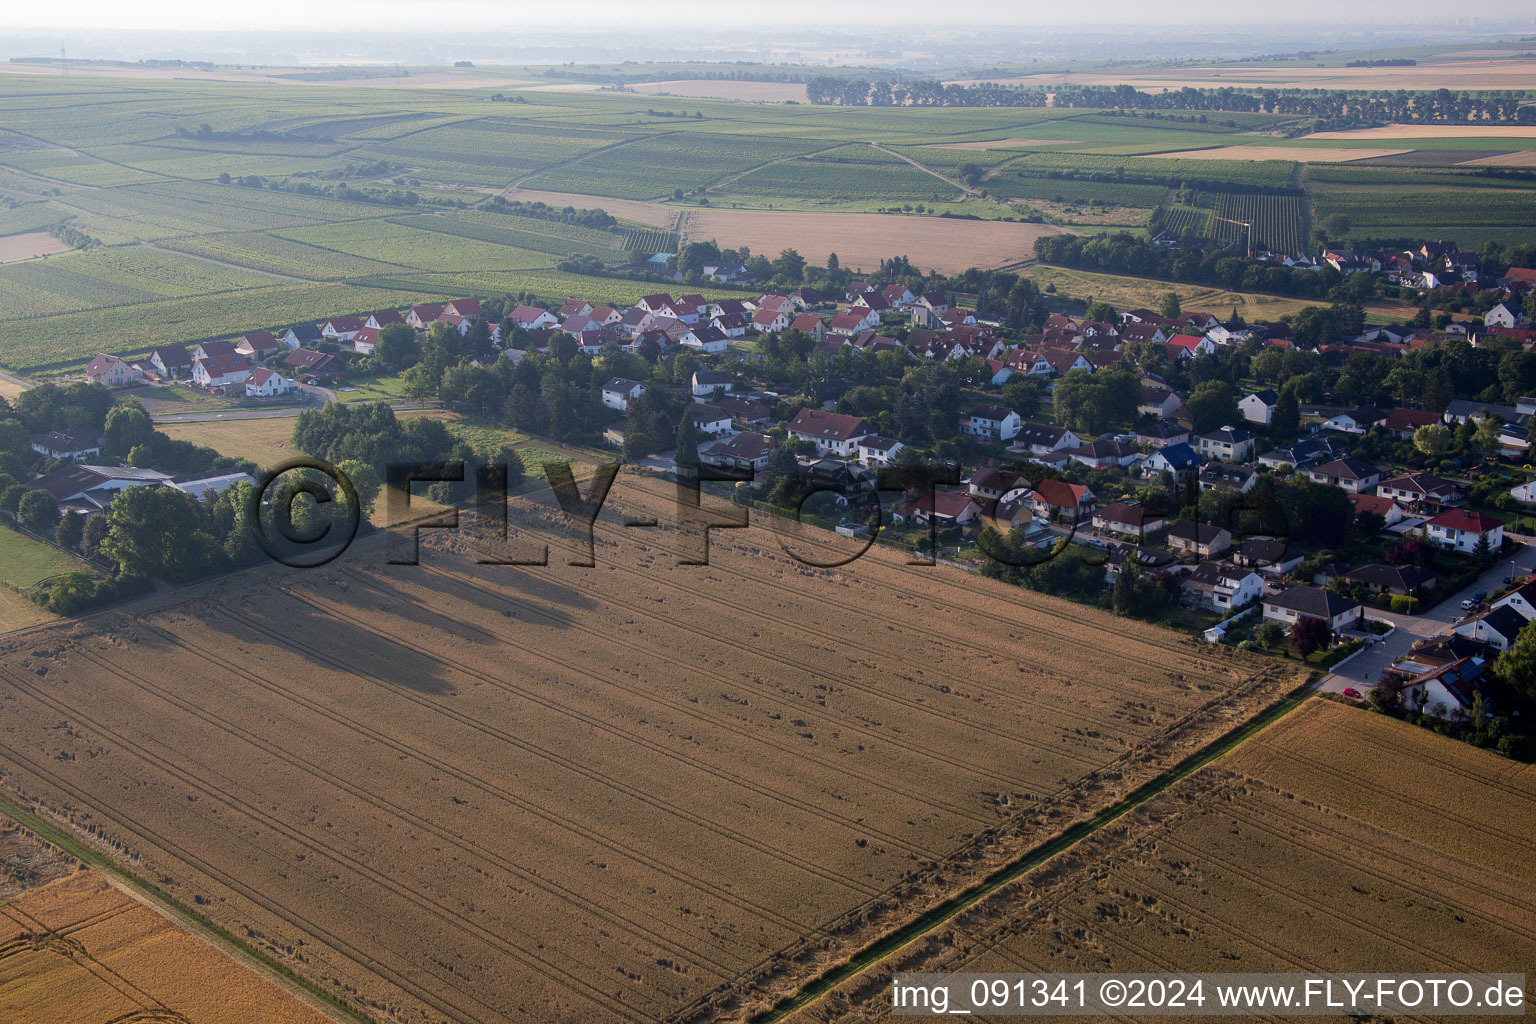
1465,520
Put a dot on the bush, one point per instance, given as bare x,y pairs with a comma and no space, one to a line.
1405,605
76,592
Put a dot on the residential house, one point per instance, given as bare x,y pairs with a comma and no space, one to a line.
1303,602
809,323
1422,491
59,445
1304,453
94,485
1157,400
1497,627
710,419
1463,530
383,318
111,372
309,361
1447,692
746,450
1502,315
873,301
770,321
1043,439
1057,499
213,350
1524,493
1188,346
264,383
710,383
1269,555
1128,520
1462,409
832,433
660,304
1203,540
1259,406
618,392
531,318
1522,599
1219,587
875,452
220,371
1104,453
298,336
941,509
1357,420
1403,423
1228,444
343,329
1063,361
1390,511
1229,475
1161,433
366,340
990,483
992,422
1178,458
1397,580
171,361
1354,475
853,321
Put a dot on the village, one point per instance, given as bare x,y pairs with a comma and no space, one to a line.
1220,475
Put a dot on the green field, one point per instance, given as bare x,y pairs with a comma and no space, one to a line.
24,562
377,197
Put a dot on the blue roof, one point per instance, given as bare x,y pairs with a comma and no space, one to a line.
1180,456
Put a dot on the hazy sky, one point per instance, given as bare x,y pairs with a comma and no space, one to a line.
666,15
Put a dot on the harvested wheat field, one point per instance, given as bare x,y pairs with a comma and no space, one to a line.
15,248
638,791
629,209
1393,132
80,951
1522,158
862,240
1336,840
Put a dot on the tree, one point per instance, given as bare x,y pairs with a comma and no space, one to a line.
1101,312
396,346
1169,305
69,531
1270,634
1516,667
37,511
127,427
790,266
1433,439
688,440
10,498
365,481
90,540
1308,635
1285,421
1213,404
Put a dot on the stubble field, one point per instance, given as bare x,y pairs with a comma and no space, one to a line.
79,951
1334,841
948,246
636,791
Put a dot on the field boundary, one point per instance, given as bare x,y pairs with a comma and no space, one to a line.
248,956
881,949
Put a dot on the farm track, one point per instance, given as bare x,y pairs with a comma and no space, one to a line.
964,190
440,912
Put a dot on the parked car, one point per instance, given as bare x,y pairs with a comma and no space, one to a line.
1469,604
1351,693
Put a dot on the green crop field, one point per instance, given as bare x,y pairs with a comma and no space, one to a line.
185,251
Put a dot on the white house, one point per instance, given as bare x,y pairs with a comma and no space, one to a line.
992,421
875,451
1525,492
264,383
832,433
1259,406
710,419
709,383
59,445
1219,587
1229,444
1501,316
619,392
1446,692
1303,602
1354,475
220,371
1461,530
1043,439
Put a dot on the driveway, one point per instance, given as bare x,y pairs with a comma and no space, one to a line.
1364,669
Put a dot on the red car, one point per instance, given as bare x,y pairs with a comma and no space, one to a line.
1351,693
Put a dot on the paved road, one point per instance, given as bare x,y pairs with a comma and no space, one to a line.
1362,671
